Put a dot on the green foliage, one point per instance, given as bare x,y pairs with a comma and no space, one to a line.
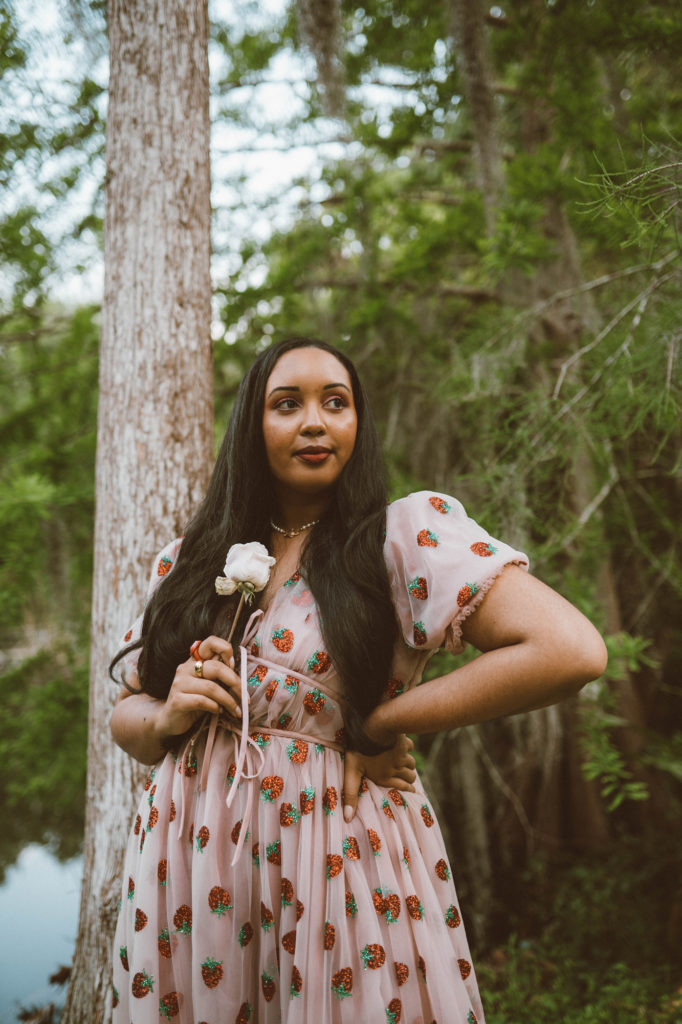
43,743
593,939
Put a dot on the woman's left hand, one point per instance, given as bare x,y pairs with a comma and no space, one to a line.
395,769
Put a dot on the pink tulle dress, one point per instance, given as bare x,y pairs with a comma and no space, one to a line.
246,896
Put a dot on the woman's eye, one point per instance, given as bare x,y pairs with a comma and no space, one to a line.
286,404
336,402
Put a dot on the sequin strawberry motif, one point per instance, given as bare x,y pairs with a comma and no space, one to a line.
283,639
351,850
314,701
289,815
266,918
329,935
257,676
418,587
297,751
142,985
267,986
300,910
286,892
452,917
172,812
442,870
169,1005
140,920
464,968
291,684
271,787
427,817
307,800
482,548
166,943
211,972
296,982
402,972
394,687
374,841
319,662
387,809
394,1012
164,567
289,942
128,636
472,1018
131,888
243,1016
386,903
273,852
342,982
236,833
202,838
123,953
245,934
439,504
373,956
330,800
182,919
466,593
397,798
219,901
414,908
334,865
351,905
419,634
427,539
271,689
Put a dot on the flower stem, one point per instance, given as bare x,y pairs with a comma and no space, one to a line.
242,598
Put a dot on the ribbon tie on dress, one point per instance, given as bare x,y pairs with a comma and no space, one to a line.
242,760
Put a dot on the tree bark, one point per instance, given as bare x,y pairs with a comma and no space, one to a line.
473,57
154,442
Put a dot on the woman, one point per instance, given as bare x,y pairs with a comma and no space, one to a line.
249,895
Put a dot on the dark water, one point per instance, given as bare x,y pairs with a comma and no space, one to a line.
39,901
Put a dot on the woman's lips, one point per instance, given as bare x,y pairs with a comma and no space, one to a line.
313,457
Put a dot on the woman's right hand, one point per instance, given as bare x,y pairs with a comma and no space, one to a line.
217,689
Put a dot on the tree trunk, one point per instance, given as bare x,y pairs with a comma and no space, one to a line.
154,442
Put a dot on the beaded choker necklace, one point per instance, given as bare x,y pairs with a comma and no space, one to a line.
293,533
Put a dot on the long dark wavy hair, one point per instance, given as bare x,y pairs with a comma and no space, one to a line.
343,561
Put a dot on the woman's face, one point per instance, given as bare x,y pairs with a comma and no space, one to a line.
309,421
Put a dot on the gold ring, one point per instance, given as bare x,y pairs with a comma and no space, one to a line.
199,668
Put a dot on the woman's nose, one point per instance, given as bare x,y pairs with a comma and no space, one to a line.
312,422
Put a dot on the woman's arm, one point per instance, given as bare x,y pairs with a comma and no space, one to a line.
537,649
146,727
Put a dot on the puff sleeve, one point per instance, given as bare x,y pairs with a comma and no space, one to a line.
162,565
440,565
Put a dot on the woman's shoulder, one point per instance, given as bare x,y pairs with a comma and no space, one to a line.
426,501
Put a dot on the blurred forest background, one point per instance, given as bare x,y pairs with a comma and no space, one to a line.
491,229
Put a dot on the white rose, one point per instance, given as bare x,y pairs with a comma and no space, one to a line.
247,569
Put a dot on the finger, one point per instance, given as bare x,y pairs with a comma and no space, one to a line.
193,686
222,674
215,647
352,777
399,783
406,773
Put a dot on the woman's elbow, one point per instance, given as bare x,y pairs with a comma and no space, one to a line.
588,659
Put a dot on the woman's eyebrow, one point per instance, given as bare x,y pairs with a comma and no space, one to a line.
295,387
